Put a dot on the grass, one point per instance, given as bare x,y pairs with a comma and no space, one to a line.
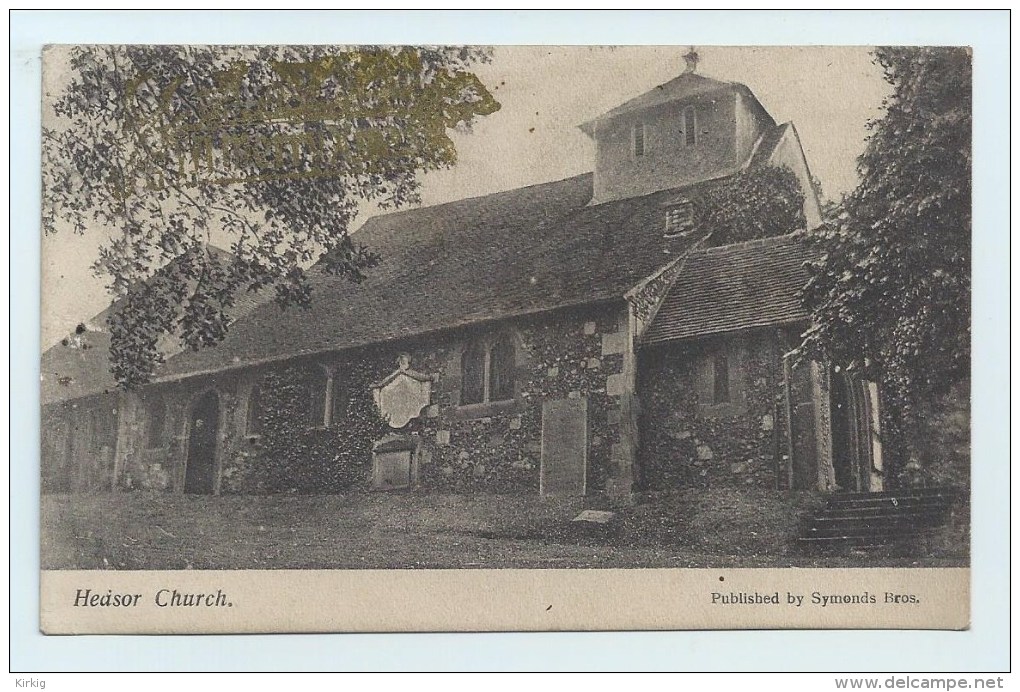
717,528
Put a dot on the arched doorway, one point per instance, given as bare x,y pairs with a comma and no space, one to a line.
843,417
200,473
856,455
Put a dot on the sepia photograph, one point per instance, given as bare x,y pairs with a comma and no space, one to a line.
500,308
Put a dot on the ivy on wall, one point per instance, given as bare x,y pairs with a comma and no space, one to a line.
758,203
291,455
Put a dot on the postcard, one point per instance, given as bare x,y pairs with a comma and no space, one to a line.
470,338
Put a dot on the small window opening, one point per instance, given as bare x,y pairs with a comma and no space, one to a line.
690,127
679,218
721,377
253,423
639,139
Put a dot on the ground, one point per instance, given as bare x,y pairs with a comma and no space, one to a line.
148,530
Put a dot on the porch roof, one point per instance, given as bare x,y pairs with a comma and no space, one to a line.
734,287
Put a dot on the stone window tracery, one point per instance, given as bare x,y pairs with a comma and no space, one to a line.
488,370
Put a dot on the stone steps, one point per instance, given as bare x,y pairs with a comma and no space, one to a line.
899,519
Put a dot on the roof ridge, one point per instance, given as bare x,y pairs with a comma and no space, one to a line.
754,242
460,200
652,97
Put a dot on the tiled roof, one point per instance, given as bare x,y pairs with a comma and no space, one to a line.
732,287
767,146
676,89
507,254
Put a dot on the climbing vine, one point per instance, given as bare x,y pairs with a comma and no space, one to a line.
890,294
758,203
292,454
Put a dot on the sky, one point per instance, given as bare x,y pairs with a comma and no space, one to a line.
829,93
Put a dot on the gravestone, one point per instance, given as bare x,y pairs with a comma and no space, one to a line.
395,462
564,447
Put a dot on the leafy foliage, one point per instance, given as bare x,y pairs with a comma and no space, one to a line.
758,203
168,148
891,294
292,455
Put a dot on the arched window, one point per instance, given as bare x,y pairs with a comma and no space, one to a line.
318,391
253,423
472,373
338,398
488,368
690,127
721,377
501,369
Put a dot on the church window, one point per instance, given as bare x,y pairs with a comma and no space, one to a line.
338,399
501,369
488,368
88,428
472,372
253,422
639,139
319,384
679,218
721,378
690,127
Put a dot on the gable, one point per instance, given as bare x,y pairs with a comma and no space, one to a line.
686,85
781,146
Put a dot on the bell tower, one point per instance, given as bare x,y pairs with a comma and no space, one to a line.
691,128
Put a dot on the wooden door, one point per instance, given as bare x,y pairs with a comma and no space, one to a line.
844,421
564,447
200,473
803,451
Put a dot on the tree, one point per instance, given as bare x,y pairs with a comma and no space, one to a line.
170,148
891,294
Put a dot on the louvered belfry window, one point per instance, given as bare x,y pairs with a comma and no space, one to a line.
639,139
679,218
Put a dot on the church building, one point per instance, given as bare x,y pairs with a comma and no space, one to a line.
590,336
